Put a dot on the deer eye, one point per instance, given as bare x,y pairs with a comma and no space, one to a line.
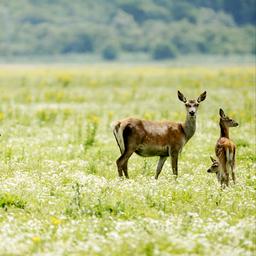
187,105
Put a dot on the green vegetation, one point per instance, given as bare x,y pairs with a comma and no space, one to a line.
60,194
7,200
157,28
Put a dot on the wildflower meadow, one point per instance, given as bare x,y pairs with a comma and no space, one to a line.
59,188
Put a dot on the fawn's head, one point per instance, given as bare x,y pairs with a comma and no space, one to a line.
191,105
227,121
214,167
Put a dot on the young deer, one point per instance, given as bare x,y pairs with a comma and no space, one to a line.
225,151
150,138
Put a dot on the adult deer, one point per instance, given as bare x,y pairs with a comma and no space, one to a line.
225,151
151,138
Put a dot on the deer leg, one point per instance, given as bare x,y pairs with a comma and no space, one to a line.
226,176
233,177
222,181
233,167
174,162
125,169
225,179
224,169
119,167
122,162
233,172
160,165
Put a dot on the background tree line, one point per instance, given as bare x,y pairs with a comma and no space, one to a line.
158,28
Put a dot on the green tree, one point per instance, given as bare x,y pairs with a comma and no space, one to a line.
164,51
110,53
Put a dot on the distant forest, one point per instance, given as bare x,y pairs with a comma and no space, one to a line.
109,28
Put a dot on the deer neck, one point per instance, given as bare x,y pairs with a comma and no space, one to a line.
189,126
224,130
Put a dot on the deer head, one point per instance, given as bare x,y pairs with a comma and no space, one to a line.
227,121
214,167
191,105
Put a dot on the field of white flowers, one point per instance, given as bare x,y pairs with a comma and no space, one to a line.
59,189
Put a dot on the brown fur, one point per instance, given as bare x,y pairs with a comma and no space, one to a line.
225,151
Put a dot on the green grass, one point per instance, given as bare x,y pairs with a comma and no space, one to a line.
60,194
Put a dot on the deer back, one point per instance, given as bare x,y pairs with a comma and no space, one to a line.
151,137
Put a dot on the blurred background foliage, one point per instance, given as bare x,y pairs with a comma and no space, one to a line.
158,29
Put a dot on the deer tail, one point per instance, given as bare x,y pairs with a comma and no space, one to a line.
118,133
229,155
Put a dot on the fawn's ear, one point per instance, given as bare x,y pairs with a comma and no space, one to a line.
213,160
201,97
222,114
181,97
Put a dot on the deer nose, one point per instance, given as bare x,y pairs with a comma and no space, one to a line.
192,113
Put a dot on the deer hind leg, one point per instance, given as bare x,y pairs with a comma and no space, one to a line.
233,167
233,171
227,179
230,168
222,181
233,177
224,169
226,174
122,163
119,166
125,170
160,165
223,178
127,148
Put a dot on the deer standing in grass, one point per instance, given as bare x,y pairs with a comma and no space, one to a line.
225,151
151,138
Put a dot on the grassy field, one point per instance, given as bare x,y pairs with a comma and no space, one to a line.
59,191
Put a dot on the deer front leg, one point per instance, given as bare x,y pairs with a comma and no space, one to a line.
160,165
174,162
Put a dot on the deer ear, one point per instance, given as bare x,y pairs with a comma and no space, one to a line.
222,114
181,97
213,160
201,97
